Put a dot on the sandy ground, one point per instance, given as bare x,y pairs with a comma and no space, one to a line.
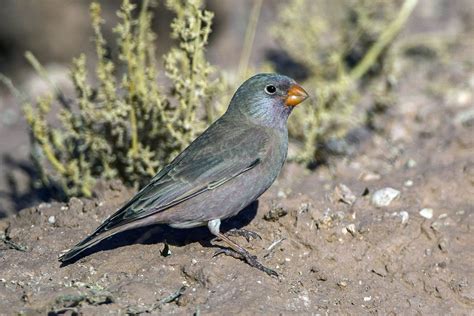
336,252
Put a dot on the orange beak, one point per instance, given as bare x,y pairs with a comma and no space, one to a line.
296,95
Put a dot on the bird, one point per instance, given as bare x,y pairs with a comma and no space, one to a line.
234,161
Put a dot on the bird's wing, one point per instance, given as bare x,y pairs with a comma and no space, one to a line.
222,153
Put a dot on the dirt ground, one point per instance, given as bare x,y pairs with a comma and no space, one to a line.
336,250
335,253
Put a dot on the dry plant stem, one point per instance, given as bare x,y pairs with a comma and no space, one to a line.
44,74
249,38
9,84
385,38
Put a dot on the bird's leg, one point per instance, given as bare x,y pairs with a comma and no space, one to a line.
247,234
237,251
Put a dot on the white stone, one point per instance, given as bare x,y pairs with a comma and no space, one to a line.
52,219
404,215
384,197
427,213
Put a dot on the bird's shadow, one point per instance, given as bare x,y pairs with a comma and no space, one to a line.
164,234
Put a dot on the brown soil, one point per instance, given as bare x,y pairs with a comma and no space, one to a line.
335,252
332,256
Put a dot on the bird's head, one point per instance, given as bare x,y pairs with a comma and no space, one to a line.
267,99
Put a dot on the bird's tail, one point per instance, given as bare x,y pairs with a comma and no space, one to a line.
101,233
87,243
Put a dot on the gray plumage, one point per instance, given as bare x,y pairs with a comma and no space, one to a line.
226,168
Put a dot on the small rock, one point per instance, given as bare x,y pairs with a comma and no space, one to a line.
52,219
367,298
380,269
166,251
342,284
343,194
351,229
319,275
408,183
442,265
404,215
464,97
443,244
370,176
384,197
281,194
326,221
437,225
427,213
274,214
304,207
411,163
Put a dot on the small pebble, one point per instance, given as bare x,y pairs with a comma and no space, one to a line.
411,163
384,197
367,298
404,215
408,183
281,194
343,194
351,229
274,214
464,97
427,213
370,176
52,219
437,225
443,244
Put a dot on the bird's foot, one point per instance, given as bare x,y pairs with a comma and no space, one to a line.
247,257
247,234
228,252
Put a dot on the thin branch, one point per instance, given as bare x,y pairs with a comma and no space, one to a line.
44,74
385,38
249,38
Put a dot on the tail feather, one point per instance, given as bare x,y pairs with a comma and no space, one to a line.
100,234
87,243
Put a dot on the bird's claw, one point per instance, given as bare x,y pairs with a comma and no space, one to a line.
247,234
247,257
228,252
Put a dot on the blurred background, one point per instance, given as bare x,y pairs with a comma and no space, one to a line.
56,31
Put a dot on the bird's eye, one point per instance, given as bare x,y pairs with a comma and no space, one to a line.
270,89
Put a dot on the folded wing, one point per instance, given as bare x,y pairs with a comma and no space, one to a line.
217,156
